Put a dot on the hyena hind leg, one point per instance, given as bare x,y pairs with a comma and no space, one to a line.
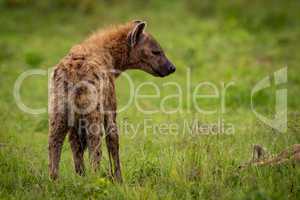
112,142
77,139
57,134
94,132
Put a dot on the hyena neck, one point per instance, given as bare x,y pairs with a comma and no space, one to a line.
120,56
114,43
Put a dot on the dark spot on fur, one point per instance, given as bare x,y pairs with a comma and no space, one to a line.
65,84
91,82
96,76
55,73
78,56
79,91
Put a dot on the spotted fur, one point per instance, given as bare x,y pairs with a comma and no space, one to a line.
82,92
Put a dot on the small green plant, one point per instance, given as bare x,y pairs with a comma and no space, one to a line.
33,59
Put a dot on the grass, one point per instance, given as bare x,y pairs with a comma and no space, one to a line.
241,46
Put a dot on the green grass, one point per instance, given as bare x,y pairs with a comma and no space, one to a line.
218,42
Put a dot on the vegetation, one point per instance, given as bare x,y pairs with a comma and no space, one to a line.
218,41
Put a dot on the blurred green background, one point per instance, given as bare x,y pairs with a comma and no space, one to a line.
219,41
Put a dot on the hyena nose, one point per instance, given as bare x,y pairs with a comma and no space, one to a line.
171,68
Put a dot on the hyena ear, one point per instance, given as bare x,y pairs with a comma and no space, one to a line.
135,35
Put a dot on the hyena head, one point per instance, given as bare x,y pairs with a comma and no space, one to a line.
146,53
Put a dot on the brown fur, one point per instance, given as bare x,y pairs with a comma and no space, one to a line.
82,93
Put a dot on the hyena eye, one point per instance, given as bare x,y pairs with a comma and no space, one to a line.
156,52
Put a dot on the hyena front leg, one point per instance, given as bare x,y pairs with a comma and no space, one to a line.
112,142
94,134
77,139
57,134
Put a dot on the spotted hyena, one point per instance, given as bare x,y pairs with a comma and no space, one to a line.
82,92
